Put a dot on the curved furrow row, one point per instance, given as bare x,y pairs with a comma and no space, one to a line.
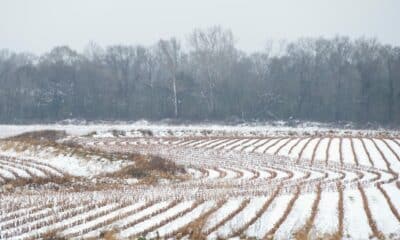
304,232
164,207
388,165
327,151
270,234
276,152
354,152
89,229
250,144
302,149
44,167
389,202
15,173
276,143
242,144
29,171
375,231
240,231
228,217
168,217
268,141
315,151
366,151
218,144
184,222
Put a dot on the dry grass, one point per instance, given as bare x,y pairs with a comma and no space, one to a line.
109,234
43,136
39,181
52,235
149,169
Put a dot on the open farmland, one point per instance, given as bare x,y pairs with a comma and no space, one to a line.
331,185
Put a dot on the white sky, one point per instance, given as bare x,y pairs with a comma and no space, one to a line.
39,25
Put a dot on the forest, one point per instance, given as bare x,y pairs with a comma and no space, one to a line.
205,77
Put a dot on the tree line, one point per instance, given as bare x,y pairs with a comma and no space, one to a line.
319,79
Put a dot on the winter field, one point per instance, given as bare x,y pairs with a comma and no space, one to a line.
199,182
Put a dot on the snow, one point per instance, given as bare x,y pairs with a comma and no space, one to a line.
297,217
216,143
348,156
86,225
229,174
72,165
230,206
334,153
274,148
264,174
238,220
285,150
5,173
142,226
320,153
326,221
269,217
196,174
141,214
265,146
360,152
212,174
381,213
375,155
225,144
394,194
207,143
248,142
395,163
259,143
296,150
355,219
308,151
182,221
238,143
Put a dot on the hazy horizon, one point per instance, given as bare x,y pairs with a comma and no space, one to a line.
38,26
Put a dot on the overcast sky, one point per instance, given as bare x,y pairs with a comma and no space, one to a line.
39,25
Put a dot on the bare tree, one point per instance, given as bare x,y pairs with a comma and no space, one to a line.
213,52
171,51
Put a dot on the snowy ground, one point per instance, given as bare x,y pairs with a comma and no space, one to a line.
255,181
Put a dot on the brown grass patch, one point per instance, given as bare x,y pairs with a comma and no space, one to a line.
43,135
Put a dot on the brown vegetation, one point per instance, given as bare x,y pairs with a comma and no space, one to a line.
43,136
327,151
354,151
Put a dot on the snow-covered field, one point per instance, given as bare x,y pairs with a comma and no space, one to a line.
249,181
